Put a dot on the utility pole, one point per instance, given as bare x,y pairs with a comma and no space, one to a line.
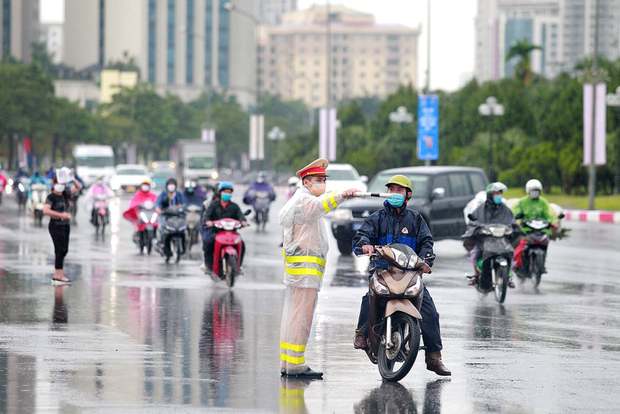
328,45
427,87
592,167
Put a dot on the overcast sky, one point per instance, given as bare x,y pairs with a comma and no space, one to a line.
452,27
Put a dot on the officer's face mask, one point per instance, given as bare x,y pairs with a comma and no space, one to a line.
171,188
226,197
317,186
59,188
535,194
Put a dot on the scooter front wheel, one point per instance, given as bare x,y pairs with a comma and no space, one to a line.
396,362
230,270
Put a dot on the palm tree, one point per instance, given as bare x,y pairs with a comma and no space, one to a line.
522,50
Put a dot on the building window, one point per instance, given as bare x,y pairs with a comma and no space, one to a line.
101,51
171,40
152,40
224,46
208,40
189,51
6,28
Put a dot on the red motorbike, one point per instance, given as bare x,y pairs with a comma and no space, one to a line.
144,218
228,250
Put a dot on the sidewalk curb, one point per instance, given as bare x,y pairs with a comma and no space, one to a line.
594,216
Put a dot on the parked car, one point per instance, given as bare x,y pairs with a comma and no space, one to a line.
128,177
345,176
439,193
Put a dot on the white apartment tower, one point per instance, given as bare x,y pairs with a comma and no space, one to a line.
181,46
271,11
364,58
564,30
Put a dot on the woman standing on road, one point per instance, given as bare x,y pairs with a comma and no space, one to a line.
56,207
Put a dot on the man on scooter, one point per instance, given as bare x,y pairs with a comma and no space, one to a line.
260,184
532,207
493,211
397,224
170,197
192,194
221,207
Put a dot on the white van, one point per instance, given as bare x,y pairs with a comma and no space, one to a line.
93,161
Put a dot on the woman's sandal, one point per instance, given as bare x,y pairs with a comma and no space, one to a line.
61,281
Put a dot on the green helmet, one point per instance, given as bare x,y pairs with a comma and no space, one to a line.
401,180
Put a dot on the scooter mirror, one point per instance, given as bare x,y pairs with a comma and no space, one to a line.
247,212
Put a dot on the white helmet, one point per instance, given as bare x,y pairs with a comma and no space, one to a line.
533,185
293,181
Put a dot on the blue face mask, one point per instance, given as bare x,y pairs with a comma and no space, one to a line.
396,200
226,197
497,199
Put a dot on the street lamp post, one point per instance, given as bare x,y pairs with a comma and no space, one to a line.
613,99
491,108
401,117
275,135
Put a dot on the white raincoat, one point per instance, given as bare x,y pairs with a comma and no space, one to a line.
305,248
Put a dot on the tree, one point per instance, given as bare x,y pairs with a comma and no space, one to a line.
522,50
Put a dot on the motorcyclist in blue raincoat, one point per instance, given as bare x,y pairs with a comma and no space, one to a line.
395,223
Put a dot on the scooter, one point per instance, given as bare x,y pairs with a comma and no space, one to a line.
535,253
172,233
192,216
395,297
497,251
38,194
146,227
228,250
100,213
21,192
261,209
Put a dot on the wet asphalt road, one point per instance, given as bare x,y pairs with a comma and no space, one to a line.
133,335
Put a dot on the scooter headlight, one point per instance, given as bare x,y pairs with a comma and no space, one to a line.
154,218
143,217
378,287
414,289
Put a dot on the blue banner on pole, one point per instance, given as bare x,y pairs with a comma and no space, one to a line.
428,127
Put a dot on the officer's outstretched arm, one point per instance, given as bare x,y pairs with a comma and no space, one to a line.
320,206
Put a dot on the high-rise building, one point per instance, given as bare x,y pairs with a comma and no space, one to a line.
352,56
19,27
180,46
271,11
51,36
564,29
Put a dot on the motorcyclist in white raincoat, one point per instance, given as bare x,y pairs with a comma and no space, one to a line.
305,249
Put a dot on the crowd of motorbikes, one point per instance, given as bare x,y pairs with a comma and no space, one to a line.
395,293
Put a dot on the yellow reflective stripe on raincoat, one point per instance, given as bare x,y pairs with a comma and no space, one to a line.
329,203
305,259
292,360
303,271
332,200
292,347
